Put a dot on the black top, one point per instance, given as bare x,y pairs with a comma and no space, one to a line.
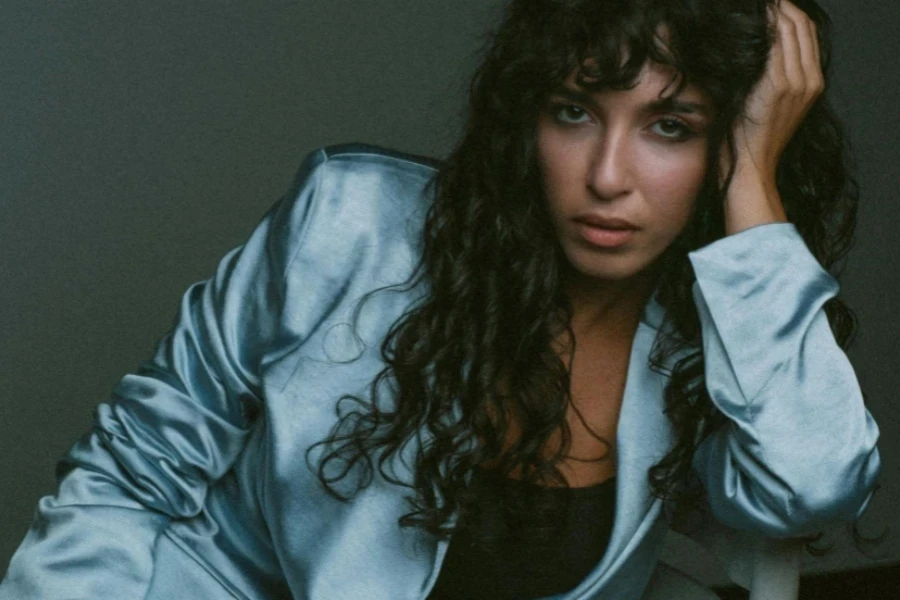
517,569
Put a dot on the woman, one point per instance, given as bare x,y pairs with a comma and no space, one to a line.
489,378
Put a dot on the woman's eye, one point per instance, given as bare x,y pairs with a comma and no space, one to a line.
673,129
569,113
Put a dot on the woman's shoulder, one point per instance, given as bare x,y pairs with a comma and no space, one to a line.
353,209
368,155
360,186
365,168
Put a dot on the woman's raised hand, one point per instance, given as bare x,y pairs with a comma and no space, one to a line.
774,110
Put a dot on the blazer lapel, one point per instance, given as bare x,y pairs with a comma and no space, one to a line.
644,437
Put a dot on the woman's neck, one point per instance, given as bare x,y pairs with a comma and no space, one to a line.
608,307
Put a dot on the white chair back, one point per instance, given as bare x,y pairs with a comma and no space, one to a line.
769,568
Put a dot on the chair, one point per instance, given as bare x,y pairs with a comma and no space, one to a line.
768,568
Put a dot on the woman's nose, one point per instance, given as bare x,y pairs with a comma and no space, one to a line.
609,173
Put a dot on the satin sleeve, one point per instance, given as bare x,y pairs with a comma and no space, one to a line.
799,451
172,427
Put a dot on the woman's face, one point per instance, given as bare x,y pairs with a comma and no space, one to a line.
622,155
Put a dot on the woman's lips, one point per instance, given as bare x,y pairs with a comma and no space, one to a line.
603,237
605,222
605,232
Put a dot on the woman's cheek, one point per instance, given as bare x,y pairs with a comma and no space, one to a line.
677,178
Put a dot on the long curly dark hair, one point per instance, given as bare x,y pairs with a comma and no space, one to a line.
477,350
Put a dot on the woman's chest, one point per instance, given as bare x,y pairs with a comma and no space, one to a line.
597,375
598,378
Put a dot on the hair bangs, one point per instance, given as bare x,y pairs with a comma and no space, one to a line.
605,44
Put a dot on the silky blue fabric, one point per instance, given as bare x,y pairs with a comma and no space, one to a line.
193,482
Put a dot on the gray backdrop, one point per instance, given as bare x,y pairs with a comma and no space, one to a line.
139,141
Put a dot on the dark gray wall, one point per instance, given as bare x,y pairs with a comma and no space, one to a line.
142,140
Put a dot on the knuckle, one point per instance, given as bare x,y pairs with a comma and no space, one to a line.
782,84
788,24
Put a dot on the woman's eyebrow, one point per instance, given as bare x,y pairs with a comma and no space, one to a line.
667,104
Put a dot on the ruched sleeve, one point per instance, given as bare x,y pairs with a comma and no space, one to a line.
799,452
171,428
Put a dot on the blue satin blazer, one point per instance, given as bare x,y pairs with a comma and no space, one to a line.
192,483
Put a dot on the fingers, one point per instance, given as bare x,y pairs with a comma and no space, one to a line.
815,36
797,45
792,55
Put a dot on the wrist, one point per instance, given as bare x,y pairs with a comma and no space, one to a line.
752,199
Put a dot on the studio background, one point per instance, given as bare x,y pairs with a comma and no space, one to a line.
140,141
